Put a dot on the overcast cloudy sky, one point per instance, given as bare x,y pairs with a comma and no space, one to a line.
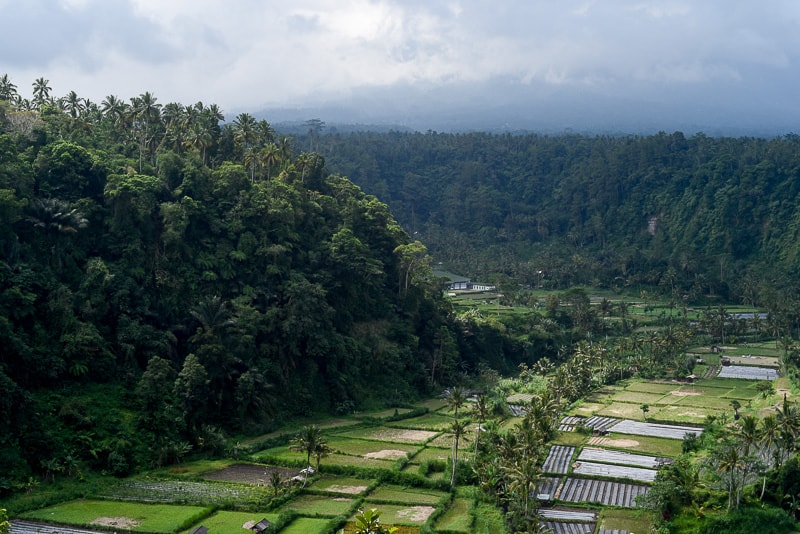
573,63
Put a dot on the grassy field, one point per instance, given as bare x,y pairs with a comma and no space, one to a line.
358,447
306,525
394,514
142,517
400,494
457,518
232,522
646,445
318,505
630,520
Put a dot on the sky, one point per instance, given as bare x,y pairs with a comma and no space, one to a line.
429,64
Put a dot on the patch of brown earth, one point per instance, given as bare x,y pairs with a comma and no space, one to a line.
350,490
122,522
418,514
391,454
686,393
412,436
621,443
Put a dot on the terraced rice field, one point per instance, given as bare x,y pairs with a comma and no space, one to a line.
558,460
604,492
656,430
748,372
557,527
614,471
31,527
620,458
568,521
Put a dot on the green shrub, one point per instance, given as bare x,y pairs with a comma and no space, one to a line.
765,520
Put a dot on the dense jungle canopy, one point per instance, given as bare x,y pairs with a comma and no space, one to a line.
168,278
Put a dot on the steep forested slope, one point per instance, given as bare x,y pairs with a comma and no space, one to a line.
698,213
165,279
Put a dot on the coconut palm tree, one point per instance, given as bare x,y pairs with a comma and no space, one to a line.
41,92
307,441
767,436
8,91
270,156
458,429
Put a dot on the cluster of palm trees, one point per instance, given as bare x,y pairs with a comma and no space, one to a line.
311,441
151,126
508,465
754,447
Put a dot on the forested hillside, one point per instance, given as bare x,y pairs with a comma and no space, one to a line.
167,280
696,215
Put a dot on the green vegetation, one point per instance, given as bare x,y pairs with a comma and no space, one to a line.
181,296
143,517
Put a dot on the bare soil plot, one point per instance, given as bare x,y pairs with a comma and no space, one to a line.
654,429
345,485
614,471
760,361
558,460
402,435
605,492
590,454
748,373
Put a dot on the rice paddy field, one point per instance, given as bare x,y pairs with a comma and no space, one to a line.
607,469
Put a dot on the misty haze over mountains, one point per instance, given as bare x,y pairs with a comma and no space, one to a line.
509,106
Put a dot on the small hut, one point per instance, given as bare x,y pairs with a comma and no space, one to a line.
200,530
261,526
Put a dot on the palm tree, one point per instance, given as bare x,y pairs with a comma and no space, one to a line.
767,437
244,130
481,411
524,474
308,441
73,104
8,91
213,315
730,461
458,428
455,399
41,92
270,156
